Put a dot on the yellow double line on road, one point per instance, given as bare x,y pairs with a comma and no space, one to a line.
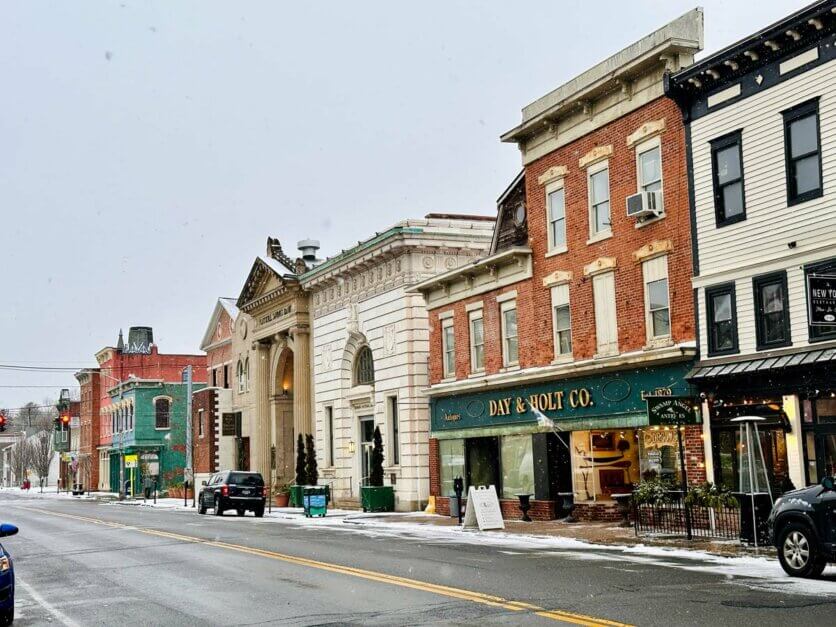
456,593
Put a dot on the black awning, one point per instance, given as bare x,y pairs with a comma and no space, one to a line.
763,364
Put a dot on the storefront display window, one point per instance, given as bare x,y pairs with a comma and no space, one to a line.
517,465
482,462
773,442
604,463
659,454
451,455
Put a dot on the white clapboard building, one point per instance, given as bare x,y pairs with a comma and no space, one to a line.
761,125
370,347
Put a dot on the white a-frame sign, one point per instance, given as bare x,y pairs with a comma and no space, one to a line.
483,509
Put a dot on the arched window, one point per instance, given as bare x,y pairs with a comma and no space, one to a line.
241,378
364,367
162,412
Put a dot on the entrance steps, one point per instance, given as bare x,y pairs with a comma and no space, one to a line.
352,504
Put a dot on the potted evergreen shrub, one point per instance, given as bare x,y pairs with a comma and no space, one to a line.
311,468
377,497
301,474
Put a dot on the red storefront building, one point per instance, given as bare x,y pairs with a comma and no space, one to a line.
137,360
542,353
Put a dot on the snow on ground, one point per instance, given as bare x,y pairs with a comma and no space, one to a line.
48,494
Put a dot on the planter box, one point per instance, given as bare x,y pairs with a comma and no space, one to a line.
378,498
281,500
179,492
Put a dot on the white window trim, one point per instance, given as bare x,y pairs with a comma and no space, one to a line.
650,144
592,170
476,314
170,407
558,356
654,341
553,250
447,323
506,296
506,306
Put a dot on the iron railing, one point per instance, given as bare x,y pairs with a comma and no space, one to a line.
675,517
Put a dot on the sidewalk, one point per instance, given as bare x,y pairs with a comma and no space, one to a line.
603,533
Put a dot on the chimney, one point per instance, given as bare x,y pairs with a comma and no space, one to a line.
308,248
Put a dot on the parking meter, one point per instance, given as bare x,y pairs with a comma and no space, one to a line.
458,488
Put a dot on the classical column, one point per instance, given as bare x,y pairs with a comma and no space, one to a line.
301,381
795,441
262,411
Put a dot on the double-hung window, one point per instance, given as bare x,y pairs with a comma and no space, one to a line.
802,148
606,322
772,322
727,173
448,348
721,319
561,321
477,341
556,208
510,347
657,299
599,200
649,166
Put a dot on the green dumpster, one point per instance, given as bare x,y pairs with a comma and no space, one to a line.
315,500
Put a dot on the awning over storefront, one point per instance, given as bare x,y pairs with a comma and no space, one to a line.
763,365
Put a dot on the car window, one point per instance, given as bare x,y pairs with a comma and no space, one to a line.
242,478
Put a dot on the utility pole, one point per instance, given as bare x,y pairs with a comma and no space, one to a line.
188,471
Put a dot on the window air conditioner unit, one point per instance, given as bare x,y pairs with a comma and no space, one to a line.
645,204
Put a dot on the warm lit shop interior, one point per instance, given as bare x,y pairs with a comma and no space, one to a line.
605,463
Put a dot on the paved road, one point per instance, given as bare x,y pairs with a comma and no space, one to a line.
85,563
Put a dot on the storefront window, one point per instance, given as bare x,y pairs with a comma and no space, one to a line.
659,454
727,447
517,465
451,454
604,463
482,462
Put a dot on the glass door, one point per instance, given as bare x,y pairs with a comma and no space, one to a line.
366,446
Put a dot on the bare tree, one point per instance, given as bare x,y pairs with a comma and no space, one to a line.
20,459
43,449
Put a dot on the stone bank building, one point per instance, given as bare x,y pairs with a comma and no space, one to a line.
583,305
370,348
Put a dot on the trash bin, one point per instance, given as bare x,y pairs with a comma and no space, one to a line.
315,500
750,523
455,506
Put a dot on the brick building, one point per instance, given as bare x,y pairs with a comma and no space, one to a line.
215,448
542,353
90,427
129,372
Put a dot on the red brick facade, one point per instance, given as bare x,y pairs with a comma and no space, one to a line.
90,426
204,403
534,317
630,244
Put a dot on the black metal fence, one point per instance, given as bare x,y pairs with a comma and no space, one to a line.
672,518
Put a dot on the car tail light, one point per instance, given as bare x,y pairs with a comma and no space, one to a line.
264,492
224,490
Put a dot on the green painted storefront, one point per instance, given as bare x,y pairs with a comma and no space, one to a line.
607,401
169,444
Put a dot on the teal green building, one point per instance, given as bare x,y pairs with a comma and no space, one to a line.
149,420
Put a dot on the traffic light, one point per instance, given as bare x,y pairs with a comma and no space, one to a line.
65,420
2,423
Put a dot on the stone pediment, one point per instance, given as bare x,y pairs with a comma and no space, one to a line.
265,280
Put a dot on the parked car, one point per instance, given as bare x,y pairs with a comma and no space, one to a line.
802,526
7,579
233,489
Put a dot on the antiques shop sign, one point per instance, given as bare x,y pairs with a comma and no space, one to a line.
609,395
821,299
671,410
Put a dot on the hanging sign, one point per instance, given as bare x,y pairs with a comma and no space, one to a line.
671,410
483,509
131,461
821,299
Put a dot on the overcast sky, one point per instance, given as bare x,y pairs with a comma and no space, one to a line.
147,149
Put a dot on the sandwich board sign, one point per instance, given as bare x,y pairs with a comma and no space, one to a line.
483,509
